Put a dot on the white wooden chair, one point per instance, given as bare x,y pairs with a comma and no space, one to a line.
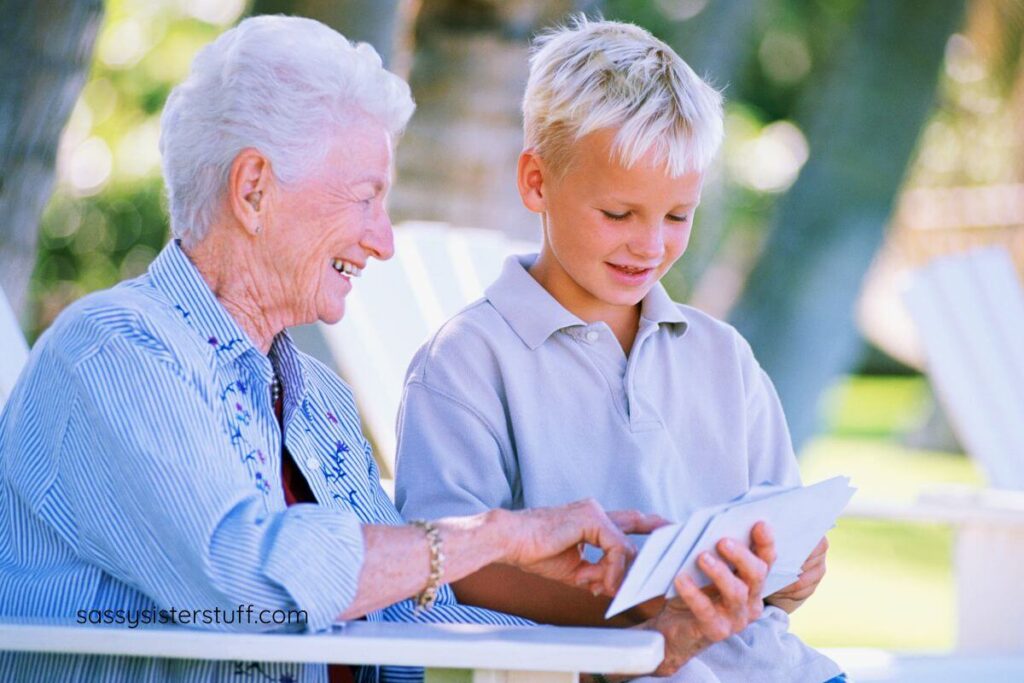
968,310
869,665
399,303
523,654
13,349
495,654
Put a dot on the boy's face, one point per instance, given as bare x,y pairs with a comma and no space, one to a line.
610,232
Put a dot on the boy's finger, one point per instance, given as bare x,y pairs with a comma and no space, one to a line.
763,542
732,590
709,621
751,568
819,553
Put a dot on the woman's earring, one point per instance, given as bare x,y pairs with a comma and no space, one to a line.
259,227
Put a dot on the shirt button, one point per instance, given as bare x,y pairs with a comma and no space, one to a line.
592,336
313,463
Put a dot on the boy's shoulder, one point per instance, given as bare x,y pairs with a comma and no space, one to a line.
705,329
469,343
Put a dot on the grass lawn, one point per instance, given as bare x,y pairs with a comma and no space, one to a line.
889,584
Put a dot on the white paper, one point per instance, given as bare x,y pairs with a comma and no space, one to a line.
797,516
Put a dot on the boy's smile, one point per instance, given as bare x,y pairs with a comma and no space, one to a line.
610,233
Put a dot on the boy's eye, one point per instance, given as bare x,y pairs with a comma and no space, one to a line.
615,216
678,219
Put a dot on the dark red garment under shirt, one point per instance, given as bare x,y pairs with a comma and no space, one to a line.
296,490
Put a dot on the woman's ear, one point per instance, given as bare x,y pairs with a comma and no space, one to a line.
248,183
530,177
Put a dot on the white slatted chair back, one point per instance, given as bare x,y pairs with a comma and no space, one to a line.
13,349
397,304
969,312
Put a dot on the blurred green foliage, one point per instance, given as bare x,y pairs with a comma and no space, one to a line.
107,219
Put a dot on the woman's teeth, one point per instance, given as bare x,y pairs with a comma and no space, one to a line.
631,270
346,268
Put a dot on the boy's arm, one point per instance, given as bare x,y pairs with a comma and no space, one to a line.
508,589
450,461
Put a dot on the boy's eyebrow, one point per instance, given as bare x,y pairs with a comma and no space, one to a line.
631,205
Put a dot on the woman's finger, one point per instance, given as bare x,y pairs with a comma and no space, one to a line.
636,522
599,530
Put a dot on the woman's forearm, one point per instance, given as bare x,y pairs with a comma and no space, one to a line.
396,563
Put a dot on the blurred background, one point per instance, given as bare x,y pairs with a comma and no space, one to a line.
863,137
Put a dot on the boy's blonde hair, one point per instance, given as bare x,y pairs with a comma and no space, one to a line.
591,75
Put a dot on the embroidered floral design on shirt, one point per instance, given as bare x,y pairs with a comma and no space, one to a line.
226,346
185,315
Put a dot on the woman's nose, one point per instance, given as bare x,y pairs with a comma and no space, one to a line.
379,238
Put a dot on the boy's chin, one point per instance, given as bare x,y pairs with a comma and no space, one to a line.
631,297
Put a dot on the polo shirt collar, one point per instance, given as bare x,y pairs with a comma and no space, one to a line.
175,275
534,315
529,309
658,308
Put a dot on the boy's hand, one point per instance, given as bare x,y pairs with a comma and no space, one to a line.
698,618
812,572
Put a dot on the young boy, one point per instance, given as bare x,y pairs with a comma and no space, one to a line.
576,375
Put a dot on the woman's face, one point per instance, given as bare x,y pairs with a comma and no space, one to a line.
324,229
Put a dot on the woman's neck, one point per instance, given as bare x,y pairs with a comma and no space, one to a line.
242,285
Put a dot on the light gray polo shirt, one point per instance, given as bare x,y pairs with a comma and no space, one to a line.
517,403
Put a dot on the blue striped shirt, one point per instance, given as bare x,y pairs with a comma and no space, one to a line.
140,464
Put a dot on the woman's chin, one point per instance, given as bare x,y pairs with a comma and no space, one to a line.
332,313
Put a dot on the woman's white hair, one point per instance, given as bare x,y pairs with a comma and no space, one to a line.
277,84
590,75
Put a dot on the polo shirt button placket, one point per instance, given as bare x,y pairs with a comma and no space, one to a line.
591,336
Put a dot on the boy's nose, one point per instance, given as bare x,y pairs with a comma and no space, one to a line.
649,242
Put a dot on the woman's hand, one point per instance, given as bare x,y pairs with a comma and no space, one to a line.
698,618
811,574
549,542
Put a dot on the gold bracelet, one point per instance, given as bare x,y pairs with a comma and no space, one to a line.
425,600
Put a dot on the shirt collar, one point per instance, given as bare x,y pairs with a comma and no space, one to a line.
529,309
658,307
535,315
175,275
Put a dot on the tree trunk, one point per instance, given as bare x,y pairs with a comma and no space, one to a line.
862,124
385,24
45,52
457,162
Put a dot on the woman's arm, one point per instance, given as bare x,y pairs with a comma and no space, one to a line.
542,541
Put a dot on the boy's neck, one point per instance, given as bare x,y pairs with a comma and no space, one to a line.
624,321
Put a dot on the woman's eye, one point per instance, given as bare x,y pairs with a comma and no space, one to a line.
678,219
615,216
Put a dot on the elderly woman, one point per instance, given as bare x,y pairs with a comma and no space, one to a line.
168,448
